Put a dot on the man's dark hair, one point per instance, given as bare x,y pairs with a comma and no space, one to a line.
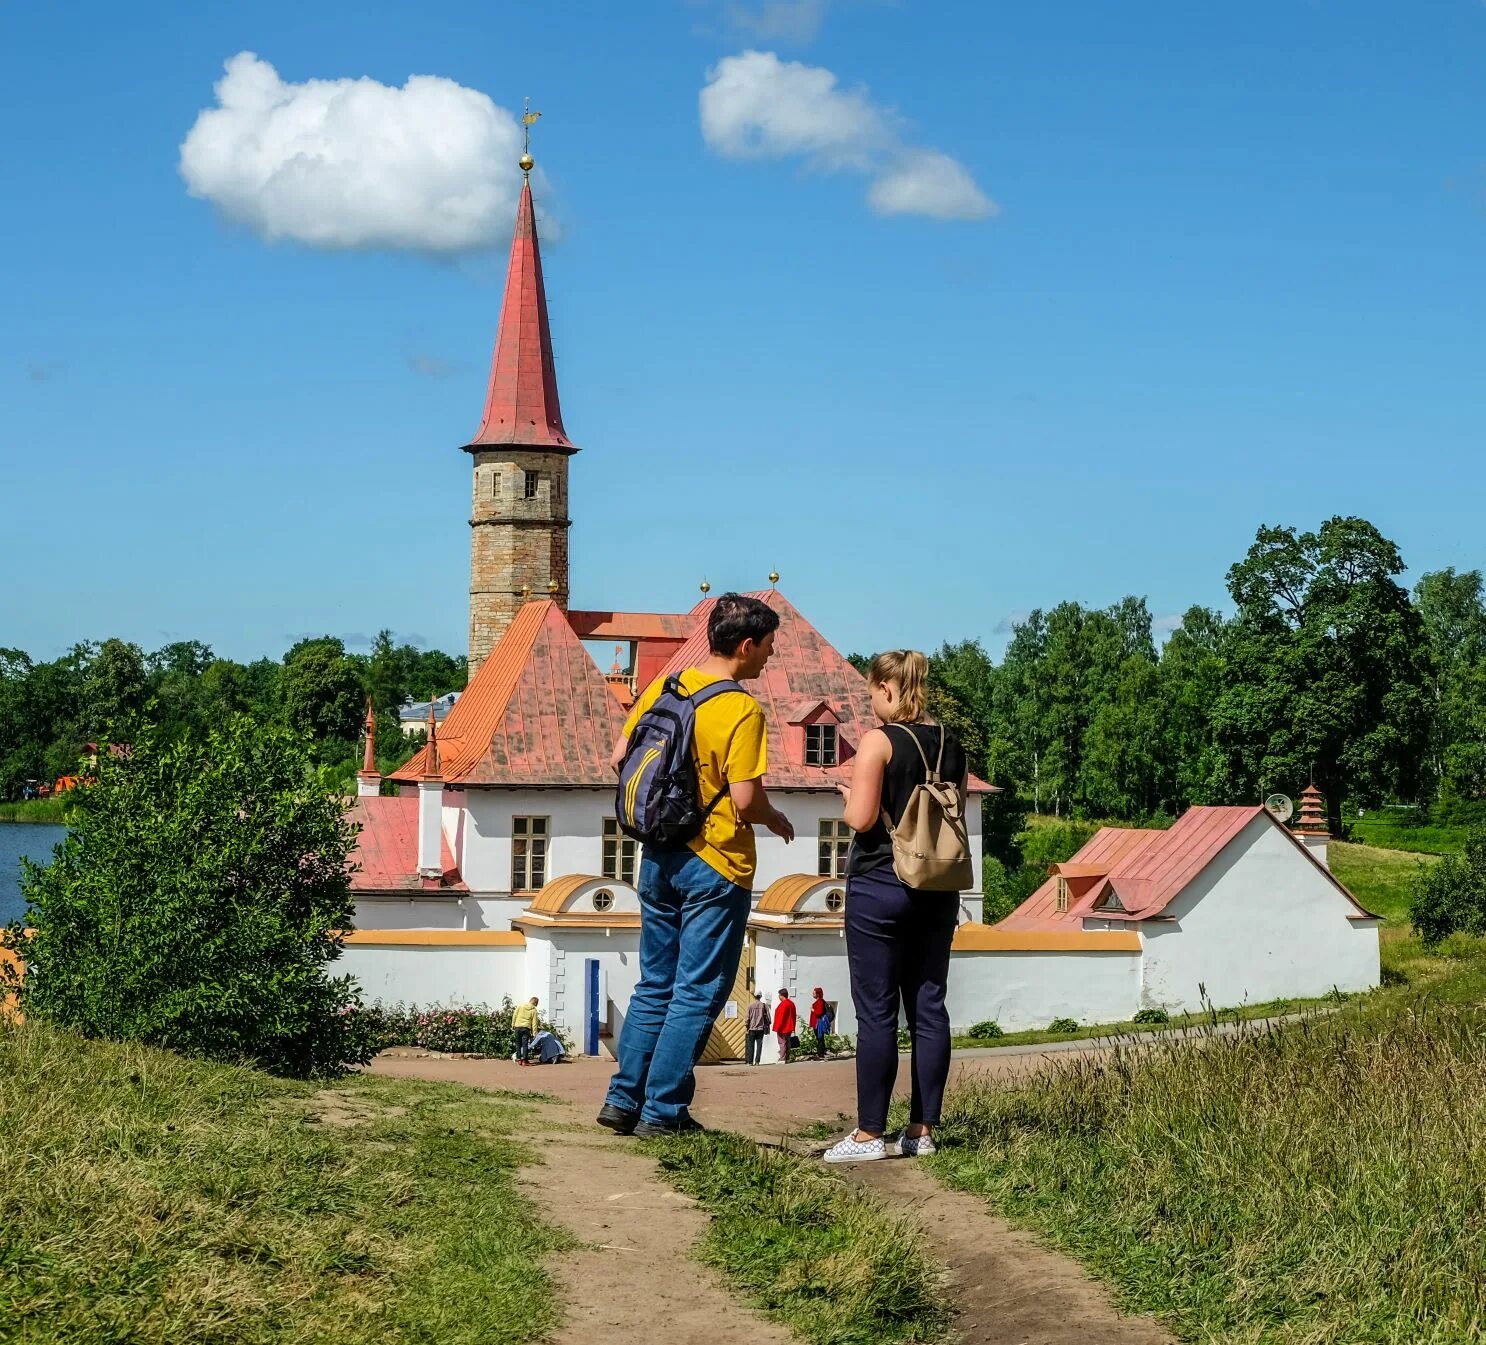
734,619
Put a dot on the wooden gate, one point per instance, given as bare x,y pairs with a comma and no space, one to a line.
728,1038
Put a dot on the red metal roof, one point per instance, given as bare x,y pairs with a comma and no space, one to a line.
631,625
1145,869
387,848
538,712
521,406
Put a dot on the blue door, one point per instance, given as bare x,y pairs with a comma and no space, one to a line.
591,1006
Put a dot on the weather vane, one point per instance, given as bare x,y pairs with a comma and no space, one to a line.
527,118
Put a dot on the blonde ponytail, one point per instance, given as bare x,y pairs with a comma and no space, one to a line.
910,670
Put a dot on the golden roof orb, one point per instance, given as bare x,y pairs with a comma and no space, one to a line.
527,163
706,587
552,586
773,576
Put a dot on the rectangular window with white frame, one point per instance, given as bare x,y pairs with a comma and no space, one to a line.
621,853
835,845
529,853
820,745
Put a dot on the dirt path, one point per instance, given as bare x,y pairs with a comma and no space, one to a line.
635,1278
632,1280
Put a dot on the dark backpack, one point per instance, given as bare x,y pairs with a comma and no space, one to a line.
659,797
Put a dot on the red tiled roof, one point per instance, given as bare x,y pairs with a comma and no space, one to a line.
538,712
1145,869
387,848
805,669
521,405
631,625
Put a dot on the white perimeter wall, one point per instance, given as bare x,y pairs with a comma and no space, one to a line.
800,961
556,961
436,975
1260,922
1022,991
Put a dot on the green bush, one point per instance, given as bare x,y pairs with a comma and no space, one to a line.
905,1039
835,1045
196,903
986,1031
1063,1025
1152,1016
1450,897
457,1030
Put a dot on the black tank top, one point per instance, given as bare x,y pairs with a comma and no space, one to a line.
905,768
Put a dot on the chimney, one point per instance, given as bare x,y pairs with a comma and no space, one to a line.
368,780
431,810
1311,830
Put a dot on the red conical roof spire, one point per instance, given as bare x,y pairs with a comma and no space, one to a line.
521,406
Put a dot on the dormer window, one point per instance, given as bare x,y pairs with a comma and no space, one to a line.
1062,894
821,745
1111,903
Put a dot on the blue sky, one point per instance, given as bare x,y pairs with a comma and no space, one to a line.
1215,266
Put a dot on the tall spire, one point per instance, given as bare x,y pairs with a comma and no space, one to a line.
521,406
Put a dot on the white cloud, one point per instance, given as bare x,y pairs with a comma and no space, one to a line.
797,21
351,163
755,106
926,182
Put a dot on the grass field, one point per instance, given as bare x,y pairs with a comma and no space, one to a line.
36,810
820,1255
1393,832
149,1198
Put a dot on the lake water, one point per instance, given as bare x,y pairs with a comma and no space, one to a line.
34,840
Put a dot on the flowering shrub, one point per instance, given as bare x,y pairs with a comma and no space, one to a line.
835,1045
458,1030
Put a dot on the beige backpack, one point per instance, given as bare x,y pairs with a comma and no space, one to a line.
931,851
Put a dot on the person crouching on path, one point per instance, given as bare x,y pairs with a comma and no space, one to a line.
757,1026
897,937
821,1022
695,900
785,1021
524,1020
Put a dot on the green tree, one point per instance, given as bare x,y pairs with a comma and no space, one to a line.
323,699
116,688
196,903
1329,669
1452,611
1192,677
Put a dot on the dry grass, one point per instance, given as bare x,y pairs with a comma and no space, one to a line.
1319,1184
149,1198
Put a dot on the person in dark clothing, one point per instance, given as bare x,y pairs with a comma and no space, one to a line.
756,1024
897,938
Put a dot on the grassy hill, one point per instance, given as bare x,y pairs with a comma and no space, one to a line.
150,1198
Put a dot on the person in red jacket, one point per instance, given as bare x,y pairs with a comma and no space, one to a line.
821,1022
785,1019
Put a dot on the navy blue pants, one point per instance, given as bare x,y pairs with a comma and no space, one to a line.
897,946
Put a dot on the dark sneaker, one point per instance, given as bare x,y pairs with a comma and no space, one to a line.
652,1130
620,1121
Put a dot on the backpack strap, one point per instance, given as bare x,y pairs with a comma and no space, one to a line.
931,773
700,698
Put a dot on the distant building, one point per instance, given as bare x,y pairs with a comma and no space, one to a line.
412,716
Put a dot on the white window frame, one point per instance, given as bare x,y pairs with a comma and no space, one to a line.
833,844
826,749
621,854
530,837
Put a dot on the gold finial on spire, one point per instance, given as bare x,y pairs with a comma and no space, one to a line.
552,586
706,588
526,592
527,118
773,577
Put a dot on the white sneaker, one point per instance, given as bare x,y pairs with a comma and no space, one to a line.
916,1146
853,1150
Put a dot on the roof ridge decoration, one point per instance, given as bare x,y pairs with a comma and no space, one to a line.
521,403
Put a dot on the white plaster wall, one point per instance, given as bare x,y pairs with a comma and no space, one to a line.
575,832
800,960
1022,991
557,968
1260,922
806,809
435,976
423,911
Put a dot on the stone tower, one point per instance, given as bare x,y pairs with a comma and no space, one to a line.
519,521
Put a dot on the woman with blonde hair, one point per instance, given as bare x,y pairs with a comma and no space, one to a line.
897,937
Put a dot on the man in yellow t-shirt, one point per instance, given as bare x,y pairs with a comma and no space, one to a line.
694,903
524,1020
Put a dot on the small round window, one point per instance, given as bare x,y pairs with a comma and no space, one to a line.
835,900
603,899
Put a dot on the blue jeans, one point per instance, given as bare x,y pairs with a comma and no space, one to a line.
692,922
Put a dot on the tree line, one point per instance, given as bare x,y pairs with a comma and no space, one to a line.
101,692
1328,670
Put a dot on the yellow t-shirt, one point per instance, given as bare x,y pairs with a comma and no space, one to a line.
731,745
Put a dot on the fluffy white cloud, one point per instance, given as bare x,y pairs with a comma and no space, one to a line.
780,20
351,163
755,106
926,182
